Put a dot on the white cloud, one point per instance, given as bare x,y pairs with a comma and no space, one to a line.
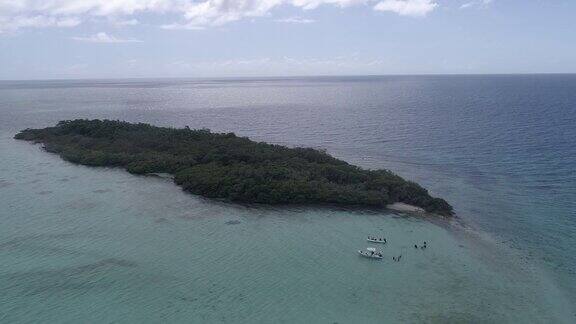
313,4
295,20
105,38
416,8
195,14
127,22
17,14
96,7
476,3
219,12
38,21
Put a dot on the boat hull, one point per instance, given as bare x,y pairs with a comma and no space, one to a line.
376,241
369,256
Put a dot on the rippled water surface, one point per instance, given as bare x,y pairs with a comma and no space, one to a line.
82,244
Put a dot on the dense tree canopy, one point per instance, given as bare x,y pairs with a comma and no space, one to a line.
227,166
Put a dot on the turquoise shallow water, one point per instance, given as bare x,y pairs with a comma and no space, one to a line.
80,244
102,245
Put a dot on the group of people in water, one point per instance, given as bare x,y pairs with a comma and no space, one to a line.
395,258
422,247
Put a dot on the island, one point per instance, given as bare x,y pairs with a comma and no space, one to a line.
230,167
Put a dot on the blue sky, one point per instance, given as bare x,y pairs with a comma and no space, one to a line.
46,39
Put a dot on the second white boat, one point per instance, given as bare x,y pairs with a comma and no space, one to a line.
371,253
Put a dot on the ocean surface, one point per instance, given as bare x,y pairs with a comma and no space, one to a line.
80,244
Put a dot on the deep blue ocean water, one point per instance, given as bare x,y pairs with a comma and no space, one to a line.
501,149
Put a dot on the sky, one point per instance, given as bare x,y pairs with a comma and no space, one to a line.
80,39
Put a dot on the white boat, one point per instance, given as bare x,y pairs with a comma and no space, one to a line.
371,253
376,240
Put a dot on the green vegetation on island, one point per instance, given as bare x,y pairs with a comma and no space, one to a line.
226,166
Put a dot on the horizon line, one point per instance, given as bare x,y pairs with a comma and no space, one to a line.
286,76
